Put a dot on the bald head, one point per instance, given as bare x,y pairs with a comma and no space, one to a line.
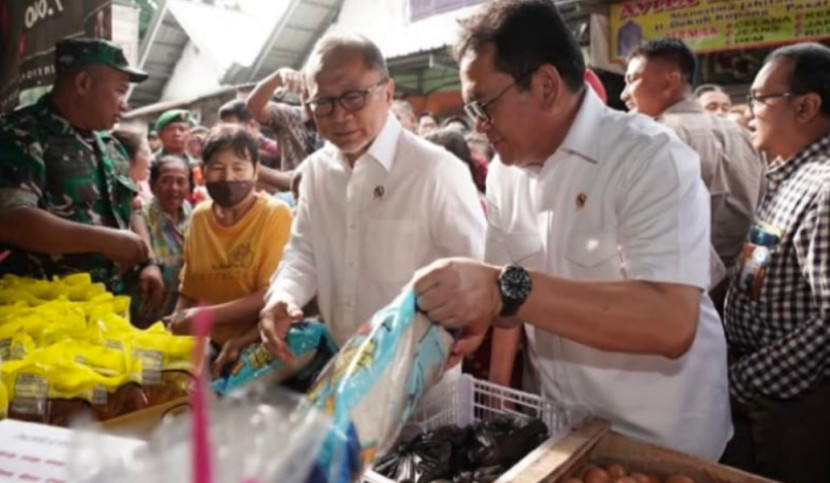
91,97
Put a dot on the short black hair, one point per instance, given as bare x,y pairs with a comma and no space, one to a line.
454,142
428,114
810,69
674,51
462,119
704,88
526,35
234,137
158,164
236,108
131,141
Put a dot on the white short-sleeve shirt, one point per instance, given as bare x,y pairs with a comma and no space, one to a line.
621,199
361,232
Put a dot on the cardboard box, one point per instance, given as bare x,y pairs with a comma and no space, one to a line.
141,424
38,452
592,442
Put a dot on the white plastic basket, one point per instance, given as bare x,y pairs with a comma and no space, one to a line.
467,400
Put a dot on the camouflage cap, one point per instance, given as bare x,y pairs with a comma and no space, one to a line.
80,51
173,115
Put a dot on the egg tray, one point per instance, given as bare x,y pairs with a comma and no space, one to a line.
591,442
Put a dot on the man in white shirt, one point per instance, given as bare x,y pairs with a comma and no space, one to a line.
376,203
605,221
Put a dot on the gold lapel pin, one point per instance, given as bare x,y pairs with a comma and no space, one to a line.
379,192
581,198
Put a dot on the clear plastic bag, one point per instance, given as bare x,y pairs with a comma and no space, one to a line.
263,434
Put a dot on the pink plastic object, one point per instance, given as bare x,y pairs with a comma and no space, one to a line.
4,254
202,468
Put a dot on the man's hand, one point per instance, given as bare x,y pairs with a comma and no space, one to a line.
291,81
458,292
151,284
228,355
274,322
181,322
125,248
467,343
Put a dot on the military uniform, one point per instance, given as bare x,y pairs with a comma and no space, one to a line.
168,117
78,176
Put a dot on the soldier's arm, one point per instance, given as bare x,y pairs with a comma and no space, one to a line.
36,230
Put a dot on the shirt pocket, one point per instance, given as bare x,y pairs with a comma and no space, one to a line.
525,249
395,249
593,255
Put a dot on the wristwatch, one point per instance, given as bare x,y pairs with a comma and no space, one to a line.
514,287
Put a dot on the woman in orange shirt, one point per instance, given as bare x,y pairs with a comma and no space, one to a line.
233,245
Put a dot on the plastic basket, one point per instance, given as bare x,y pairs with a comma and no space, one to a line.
467,400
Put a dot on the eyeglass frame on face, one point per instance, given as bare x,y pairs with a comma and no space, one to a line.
751,99
483,116
341,100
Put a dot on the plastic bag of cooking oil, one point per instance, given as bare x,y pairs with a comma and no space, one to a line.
4,397
311,345
49,387
373,385
14,343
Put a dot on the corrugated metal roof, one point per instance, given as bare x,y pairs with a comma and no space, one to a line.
234,39
289,42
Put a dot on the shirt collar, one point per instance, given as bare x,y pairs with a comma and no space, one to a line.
582,135
684,106
781,169
385,145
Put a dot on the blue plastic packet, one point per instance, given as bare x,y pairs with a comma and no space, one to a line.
373,386
311,345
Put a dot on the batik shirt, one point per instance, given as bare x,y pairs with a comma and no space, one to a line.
78,176
167,240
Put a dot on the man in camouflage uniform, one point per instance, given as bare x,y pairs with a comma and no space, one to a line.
65,192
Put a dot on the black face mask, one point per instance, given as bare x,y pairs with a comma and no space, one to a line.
229,193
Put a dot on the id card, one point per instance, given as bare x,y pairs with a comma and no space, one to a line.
756,256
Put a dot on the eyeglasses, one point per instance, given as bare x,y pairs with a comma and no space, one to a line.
752,99
477,111
350,101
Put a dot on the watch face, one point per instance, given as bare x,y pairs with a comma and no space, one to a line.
515,283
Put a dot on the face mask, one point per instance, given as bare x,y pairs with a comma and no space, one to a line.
229,193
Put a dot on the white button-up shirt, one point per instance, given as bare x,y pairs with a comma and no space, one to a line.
360,233
621,199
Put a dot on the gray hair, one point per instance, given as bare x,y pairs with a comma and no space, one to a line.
341,41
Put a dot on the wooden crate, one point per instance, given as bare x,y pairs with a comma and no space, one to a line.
592,442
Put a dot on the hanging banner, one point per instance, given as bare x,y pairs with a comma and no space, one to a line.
28,32
717,25
421,9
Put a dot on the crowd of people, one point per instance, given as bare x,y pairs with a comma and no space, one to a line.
667,269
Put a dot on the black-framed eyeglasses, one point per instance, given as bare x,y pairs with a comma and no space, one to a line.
477,110
752,99
350,101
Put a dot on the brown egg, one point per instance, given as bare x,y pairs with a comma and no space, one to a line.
616,471
596,475
678,479
571,479
641,478
625,479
